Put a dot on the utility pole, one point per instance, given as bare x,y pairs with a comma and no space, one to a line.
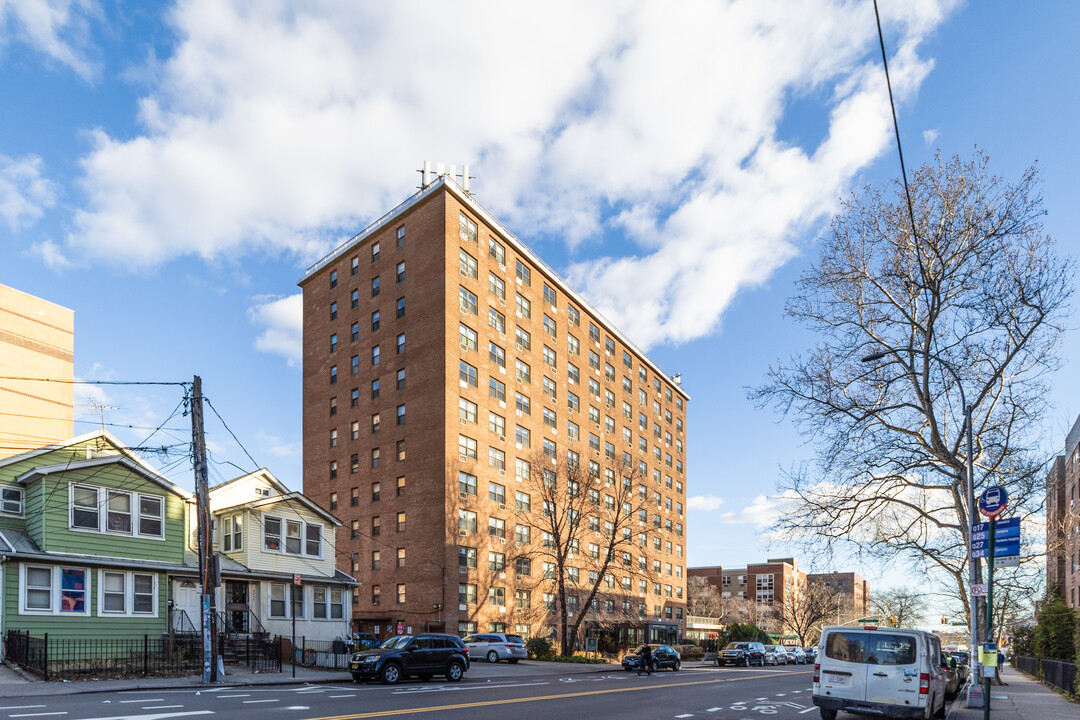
207,576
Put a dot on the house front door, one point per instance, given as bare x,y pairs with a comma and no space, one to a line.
187,607
236,606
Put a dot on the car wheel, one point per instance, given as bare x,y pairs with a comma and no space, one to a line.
390,674
676,666
454,671
746,661
493,657
827,714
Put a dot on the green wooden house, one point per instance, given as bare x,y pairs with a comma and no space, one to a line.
89,537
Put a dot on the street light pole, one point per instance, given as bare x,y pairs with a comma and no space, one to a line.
974,570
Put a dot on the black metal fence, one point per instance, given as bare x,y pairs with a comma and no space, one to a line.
259,654
330,654
56,658
1058,673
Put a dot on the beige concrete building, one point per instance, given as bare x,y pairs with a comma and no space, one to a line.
37,341
444,365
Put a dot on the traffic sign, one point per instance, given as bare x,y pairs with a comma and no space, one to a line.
993,501
1003,529
1007,561
981,548
979,590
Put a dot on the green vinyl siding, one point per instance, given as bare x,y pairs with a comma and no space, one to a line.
93,625
14,521
51,529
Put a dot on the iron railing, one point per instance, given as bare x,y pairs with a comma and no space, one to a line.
1058,673
56,658
258,653
330,654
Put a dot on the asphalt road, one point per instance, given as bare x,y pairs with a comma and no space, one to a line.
707,693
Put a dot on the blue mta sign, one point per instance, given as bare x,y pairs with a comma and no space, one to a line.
993,501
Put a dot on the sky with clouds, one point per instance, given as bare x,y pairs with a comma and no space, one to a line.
168,171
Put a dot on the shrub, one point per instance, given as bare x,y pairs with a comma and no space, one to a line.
1055,630
1022,637
539,648
744,632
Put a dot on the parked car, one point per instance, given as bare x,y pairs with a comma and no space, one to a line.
663,656
963,666
811,654
952,676
775,655
494,647
741,653
890,672
422,656
795,655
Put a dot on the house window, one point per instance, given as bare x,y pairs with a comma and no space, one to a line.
120,517
313,540
272,534
278,605
84,507
11,501
232,533
125,593
51,590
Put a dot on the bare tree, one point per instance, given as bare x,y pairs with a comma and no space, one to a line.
805,609
978,288
901,606
594,525
704,599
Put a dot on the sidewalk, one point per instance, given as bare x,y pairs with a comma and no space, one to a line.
1021,699
18,683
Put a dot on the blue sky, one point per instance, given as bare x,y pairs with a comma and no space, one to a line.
169,170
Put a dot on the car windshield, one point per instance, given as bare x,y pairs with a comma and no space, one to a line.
737,646
396,642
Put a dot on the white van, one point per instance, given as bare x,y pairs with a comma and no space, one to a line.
885,672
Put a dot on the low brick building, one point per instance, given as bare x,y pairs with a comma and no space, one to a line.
1063,521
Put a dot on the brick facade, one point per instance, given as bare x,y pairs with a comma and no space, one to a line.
1063,521
442,328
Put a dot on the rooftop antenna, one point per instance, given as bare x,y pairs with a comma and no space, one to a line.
429,174
101,408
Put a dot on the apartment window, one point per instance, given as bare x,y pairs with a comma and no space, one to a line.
497,493
572,373
573,402
550,418
400,271
497,424
401,379
333,438
466,374
401,522
521,469
572,345
374,252
375,457
354,532
549,295
401,594
375,353
594,361
333,311
333,343
354,299
333,279
497,389
497,596
522,403
333,406
497,252
466,447
497,320
522,372
375,492
550,449
401,480
374,389
522,436
466,301
376,594
467,594
522,339
497,355
549,326
401,307
496,458
466,483
466,228
466,521
376,422
522,534
497,286
496,528
400,343
333,374
400,447
375,286
354,497
522,501
466,410
522,272
524,307
333,501
354,397
401,236
400,414
401,557
354,265
466,559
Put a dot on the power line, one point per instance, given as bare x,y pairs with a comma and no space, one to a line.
94,382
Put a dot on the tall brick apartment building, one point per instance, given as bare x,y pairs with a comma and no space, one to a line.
441,357
1063,521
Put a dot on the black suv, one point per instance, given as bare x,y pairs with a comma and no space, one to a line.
742,653
420,656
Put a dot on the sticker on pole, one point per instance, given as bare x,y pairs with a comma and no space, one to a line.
979,590
993,501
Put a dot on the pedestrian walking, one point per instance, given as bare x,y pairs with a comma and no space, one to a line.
645,653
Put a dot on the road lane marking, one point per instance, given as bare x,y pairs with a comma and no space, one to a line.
715,709
803,712
38,714
453,688
160,707
20,707
333,697
685,715
143,700
235,696
538,698
159,716
248,702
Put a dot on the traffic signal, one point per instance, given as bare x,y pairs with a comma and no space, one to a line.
943,622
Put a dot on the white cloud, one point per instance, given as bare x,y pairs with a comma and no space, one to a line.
930,137
279,447
57,28
24,192
50,254
283,318
763,511
276,128
704,502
